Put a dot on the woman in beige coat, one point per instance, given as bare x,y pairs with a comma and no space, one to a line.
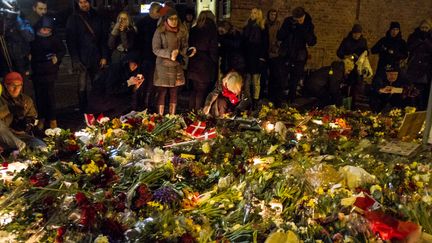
170,43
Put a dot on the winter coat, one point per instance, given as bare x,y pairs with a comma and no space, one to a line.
420,57
42,51
203,65
84,46
272,29
169,73
295,37
391,50
350,46
325,83
22,109
244,99
18,35
146,28
231,52
124,38
255,43
5,115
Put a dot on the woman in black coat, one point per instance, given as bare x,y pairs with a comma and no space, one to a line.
255,39
202,68
420,61
47,51
230,49
392,49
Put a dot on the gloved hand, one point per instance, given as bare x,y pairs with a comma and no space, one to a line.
78,67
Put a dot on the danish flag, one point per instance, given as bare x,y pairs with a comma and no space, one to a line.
196,129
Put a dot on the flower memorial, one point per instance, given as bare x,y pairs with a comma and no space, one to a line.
281,176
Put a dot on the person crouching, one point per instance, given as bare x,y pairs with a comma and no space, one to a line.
228,96
47,52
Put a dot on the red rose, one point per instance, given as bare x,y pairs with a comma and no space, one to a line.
5,164
39,179
81,198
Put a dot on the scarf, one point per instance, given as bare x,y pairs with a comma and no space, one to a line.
171,29
230,95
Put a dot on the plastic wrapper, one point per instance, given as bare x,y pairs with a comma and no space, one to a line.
282,237
322,175
355,176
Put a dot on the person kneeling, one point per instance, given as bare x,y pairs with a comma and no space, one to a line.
228,96
18,115
387,91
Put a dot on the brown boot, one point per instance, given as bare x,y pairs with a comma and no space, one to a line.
53,124
161,109
172,108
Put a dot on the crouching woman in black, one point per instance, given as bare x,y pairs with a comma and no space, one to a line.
229,95
325,83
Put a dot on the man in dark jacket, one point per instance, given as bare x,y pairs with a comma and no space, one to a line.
296,32
387,90
39,9
325,83
420,61
17,37
392,49
146,28
86,37
230,50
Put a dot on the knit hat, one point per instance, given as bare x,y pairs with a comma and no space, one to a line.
45,22
298,12
394,25
11,77
357,28
170,12
426,23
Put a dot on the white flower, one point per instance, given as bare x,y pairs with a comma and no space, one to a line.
104,120
53,132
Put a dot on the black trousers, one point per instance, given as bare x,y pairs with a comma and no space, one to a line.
44,87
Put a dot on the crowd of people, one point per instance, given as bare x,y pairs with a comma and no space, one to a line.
228,69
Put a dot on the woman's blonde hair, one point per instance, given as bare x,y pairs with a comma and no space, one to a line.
130,23
233,81
260,20
203,16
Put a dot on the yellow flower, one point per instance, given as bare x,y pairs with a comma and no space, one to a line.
108,133
320,191
155,205
375,188
419,184
116,123
126,126
395,113
206,148
311,203
75,168
101,239
306,147
92,168
379,134
187,156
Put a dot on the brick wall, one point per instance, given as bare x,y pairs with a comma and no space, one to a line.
333,19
